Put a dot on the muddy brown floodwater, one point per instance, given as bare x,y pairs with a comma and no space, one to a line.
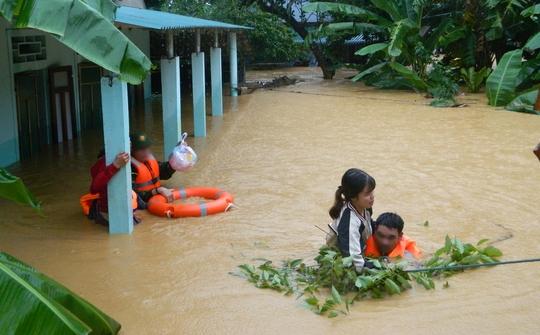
469,171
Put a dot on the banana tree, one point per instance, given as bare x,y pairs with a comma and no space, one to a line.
405,40
515,80
84,26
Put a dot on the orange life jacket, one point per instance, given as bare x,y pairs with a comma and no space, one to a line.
87,199
147,174
404,244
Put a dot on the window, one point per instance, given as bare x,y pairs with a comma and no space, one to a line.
28,48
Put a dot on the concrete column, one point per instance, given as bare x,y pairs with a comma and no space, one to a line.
170,97
233,63
217,83
199,91
114,103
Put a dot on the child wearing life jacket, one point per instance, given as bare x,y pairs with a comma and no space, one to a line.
147,171
388,239
101,175
351,214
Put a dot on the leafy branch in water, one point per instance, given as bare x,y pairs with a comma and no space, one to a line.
456,252
332,282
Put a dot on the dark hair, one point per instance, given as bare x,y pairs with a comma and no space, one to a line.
390,220
353,182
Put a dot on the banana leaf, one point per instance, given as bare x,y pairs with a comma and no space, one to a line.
32,303
397,37
410,76
524,103
371,49
12,188
502,83
533,43
357,27
390,7
530,11
368,71
82,27
345,9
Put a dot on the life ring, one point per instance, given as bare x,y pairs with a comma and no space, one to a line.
220,202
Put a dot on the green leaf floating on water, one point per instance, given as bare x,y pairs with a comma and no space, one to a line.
333,282
12,188
33,303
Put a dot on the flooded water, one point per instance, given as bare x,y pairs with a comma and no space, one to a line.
469,171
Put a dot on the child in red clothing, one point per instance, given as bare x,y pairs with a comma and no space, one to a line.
101,175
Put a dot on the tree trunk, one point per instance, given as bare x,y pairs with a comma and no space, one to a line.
326,66
537,104
286,14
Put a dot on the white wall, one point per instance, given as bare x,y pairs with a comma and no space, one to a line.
141,38
57,55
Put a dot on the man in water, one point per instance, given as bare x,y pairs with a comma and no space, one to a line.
147,171
388,239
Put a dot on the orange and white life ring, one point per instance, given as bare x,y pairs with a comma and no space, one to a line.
220,202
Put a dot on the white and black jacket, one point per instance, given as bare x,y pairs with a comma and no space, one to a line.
353,230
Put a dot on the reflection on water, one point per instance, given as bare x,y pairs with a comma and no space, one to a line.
469,171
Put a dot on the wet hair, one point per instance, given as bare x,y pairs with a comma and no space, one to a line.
353,182
390,220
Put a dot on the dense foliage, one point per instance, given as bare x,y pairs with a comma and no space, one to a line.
407,40
332,283
270,41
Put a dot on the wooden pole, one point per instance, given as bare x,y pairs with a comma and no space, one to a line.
537,104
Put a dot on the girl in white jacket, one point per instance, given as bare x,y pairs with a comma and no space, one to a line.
351,214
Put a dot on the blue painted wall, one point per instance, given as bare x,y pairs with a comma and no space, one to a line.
9,148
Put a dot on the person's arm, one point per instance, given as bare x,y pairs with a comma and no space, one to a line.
350,239
102,178
536,151
101,174
165,170
356,247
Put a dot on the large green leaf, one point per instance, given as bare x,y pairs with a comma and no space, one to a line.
81,26
12,188
530,11
397,37
533,43
412,78
524,103
334,7
371,49
32,303
357,27
390,7
368,71
502,83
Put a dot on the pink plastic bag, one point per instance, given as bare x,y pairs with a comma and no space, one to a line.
182,158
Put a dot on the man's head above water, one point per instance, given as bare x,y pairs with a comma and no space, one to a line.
388,231
140,146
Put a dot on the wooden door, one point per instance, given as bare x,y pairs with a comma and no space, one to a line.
62,106
90,96
31,118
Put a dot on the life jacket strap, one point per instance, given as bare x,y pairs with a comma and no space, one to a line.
147,183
